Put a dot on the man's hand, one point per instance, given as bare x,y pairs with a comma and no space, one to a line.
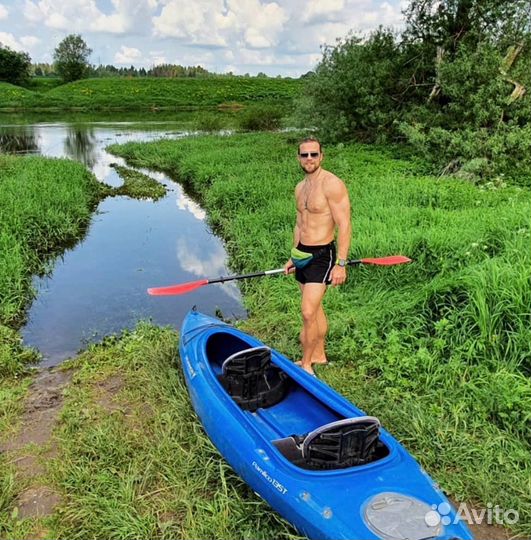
338,275
289,267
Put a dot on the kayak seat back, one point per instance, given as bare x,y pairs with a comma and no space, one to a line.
252,380
337,445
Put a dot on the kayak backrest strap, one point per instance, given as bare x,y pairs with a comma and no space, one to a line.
252,380
343,443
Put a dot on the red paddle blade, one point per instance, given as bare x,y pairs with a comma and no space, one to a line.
387,261
183,288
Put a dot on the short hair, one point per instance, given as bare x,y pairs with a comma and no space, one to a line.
311,138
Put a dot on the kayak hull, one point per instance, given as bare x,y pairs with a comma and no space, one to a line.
366,502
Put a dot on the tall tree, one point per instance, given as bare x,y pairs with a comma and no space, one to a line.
71,58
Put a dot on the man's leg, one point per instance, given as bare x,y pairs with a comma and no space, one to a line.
312,295
319,354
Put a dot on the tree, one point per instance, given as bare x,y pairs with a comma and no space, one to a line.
14,66
71,58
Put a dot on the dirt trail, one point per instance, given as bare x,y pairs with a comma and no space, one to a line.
33,446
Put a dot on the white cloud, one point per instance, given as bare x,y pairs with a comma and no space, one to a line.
196,24
84,15
323,10
157,58
9,40
3,12
216,24
259,23
127,55
273,36
29,41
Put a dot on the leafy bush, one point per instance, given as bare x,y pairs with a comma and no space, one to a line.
455,85
14,66
209,123
263,118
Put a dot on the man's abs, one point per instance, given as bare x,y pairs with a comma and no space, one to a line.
316,229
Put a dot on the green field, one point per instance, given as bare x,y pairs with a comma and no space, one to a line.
439,349
151,93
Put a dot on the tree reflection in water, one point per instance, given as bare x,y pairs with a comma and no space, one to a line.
18,140
80,144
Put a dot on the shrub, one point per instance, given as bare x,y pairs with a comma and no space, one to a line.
263,118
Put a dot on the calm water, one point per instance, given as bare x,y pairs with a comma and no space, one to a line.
99,286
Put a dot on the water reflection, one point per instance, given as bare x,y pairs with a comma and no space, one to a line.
99,286
80,144
18,140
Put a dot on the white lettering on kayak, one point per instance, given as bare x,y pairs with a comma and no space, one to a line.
190,368
275,483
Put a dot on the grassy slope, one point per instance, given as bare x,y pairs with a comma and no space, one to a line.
44,205
137,94
439,349
16,96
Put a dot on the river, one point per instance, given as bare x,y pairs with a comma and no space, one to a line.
99,286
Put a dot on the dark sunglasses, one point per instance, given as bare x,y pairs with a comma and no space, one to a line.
305,155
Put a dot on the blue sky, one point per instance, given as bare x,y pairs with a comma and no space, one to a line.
281,37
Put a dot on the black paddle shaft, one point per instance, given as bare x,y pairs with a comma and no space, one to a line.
222,279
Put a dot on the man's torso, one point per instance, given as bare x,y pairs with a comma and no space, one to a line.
314,217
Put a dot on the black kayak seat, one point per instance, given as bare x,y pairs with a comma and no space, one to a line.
340,444
252,380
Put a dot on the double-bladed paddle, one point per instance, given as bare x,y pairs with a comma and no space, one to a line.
190,286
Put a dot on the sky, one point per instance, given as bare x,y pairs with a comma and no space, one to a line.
281,37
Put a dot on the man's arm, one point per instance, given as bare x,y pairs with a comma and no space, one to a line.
289,266
339,203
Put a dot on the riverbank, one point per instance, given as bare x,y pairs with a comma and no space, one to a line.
437,349
119,94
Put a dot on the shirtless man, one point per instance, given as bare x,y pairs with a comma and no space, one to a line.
322,205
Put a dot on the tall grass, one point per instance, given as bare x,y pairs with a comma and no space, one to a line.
45,204
134,461
439,349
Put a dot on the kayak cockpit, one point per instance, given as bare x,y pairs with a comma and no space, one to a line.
346,443
303,428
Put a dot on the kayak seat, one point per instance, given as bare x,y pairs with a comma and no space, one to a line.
337,445
252,380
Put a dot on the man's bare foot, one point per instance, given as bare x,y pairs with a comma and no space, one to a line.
308,369
319,362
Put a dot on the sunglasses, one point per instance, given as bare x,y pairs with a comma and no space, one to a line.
306,155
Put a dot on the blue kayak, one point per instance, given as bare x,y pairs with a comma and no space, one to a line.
317,459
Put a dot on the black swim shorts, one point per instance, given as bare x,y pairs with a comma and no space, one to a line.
320,267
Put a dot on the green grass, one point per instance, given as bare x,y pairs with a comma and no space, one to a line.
45,204
138,185
135,462
168,481
438,349
152,94
12,96
43,84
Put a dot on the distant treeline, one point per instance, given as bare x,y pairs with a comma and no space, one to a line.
162,70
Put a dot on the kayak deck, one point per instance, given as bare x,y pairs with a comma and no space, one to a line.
299,412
